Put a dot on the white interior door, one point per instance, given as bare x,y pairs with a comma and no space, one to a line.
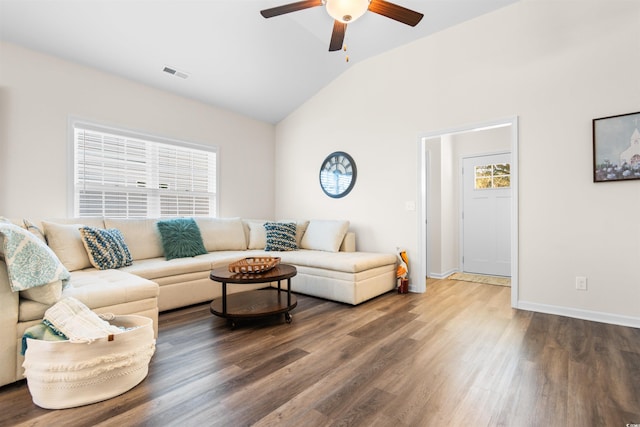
486,218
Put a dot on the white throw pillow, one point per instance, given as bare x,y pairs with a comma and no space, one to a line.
48,294
222,234
65,241
257,235
324,235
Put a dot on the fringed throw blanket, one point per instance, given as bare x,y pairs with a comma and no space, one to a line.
30,262
77,322
70,320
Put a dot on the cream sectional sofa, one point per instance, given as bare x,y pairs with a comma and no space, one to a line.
328,267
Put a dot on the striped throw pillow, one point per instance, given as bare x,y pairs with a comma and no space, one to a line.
106,247
281,236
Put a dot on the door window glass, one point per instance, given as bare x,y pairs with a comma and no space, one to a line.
493,176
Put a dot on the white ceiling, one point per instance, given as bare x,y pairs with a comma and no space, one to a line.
235,58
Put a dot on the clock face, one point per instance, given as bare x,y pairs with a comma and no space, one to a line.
337,174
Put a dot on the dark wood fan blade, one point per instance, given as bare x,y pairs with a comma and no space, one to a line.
337,36
291,7
393,11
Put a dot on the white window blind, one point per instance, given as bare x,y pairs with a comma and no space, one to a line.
120,175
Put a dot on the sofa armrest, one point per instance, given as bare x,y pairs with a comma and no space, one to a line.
8,326
349,242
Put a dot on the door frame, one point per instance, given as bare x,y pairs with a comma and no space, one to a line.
423,168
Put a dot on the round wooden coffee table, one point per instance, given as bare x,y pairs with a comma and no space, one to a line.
256,303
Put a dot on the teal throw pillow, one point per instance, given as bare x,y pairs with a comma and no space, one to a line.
281,236
181,238
106,247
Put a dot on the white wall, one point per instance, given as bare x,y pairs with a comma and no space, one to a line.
38,94
556,64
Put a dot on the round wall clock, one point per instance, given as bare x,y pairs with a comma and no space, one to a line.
338,174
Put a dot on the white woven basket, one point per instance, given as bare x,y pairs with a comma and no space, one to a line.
64,374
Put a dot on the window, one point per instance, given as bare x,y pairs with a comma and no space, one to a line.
493,176
120,174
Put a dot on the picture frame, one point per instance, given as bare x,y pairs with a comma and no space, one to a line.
616,148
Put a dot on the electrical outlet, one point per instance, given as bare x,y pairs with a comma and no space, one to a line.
581,283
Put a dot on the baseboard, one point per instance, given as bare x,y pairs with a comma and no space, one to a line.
442,275
595,316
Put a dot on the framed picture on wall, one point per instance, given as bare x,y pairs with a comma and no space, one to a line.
616,148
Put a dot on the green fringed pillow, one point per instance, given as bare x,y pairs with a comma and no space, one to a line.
181,238
281,236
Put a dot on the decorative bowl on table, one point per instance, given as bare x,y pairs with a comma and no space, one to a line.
254,264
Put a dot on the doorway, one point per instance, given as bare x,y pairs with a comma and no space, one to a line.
440,245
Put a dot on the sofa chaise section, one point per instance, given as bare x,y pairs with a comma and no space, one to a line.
348,277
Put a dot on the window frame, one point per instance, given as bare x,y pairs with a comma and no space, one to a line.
76,122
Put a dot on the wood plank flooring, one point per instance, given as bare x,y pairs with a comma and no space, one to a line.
457,355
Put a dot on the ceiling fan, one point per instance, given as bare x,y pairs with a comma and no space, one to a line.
347,11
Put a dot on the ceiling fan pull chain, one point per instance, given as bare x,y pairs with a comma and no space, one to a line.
346,56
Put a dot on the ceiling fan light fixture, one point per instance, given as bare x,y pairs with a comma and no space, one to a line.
346,11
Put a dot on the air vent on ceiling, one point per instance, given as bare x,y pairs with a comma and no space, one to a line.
175,72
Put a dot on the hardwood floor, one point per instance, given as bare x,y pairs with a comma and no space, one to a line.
456,355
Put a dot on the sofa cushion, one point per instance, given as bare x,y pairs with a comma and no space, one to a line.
180,238
141,236
222,234
106,247
348,262
159,268
97,288
324,235
280,236
153,268
257,235
65,241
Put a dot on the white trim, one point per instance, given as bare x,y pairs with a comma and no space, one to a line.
443,275
491,124
422,215
424,161
595,316
515,214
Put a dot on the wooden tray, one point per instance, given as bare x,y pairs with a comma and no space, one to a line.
254,264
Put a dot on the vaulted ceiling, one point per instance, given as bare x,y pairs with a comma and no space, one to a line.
233,57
